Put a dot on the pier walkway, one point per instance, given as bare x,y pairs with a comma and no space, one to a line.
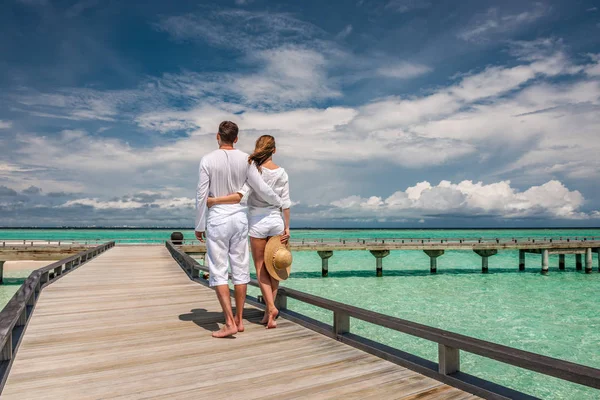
130,324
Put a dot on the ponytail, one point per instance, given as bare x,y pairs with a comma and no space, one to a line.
264,149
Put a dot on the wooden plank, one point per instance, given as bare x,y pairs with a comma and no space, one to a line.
130,325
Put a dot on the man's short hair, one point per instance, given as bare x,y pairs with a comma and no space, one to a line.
228,131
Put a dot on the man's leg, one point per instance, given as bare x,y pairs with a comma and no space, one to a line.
238,260
217,248
240,300
230,327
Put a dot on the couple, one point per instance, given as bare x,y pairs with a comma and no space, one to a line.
226,176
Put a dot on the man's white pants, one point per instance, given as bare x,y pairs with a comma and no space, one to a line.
227,244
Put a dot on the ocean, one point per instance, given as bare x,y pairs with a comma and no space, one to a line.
556,315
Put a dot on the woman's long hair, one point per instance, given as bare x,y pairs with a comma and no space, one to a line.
263,150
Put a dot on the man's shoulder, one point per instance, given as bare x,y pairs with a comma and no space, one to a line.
241,153
210,156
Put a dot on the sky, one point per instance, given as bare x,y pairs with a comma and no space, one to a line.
391,113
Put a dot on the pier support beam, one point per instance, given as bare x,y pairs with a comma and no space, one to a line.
433,255
578,263
325,256
485,254
561,262
379,254
588,260
1,272
521,260
545,254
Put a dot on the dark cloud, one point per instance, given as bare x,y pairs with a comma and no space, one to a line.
58,194
32,190
6,191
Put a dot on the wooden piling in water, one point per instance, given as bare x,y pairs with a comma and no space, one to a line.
521,260
545,261
578,262
379,255
485,254
561,262
433,255
325,256
588,260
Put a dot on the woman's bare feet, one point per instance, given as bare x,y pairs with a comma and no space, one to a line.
225,331
271,323
265,318
240,325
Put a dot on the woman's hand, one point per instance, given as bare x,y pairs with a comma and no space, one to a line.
211,201
286,236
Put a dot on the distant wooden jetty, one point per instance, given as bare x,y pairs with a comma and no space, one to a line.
434,248
134,322
40,250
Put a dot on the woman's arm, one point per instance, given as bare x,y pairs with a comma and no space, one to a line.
286,222
287,203
233,198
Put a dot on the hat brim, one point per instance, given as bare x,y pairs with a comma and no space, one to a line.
274,244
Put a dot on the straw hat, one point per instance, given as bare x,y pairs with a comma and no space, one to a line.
278,258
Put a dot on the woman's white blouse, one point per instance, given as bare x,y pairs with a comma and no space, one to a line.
278,180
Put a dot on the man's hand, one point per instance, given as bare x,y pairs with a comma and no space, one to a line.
286,236
210,202
201,236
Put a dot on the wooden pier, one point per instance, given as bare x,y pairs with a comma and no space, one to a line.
37,250
131,324
434,248
135,322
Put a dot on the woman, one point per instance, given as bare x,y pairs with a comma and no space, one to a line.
264,220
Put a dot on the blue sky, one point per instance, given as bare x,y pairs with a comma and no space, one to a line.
392,113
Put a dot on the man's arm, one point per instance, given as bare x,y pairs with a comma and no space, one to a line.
201,196
256,182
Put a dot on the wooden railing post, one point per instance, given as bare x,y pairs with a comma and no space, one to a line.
7,350
448,359
281,300
341,322
22,321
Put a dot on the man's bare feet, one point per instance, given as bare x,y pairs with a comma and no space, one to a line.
240,325
271,323
225,331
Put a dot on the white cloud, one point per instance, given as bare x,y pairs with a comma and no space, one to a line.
176,202
467,198
404,70
403,6
288,75
215,28
5,124
593,69
344,33
495,22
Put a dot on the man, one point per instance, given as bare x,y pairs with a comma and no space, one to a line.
225,227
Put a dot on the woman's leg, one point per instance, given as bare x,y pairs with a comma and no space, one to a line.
264,279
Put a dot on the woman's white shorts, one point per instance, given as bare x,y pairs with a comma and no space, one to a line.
264,226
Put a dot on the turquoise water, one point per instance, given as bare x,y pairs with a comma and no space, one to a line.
555,315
